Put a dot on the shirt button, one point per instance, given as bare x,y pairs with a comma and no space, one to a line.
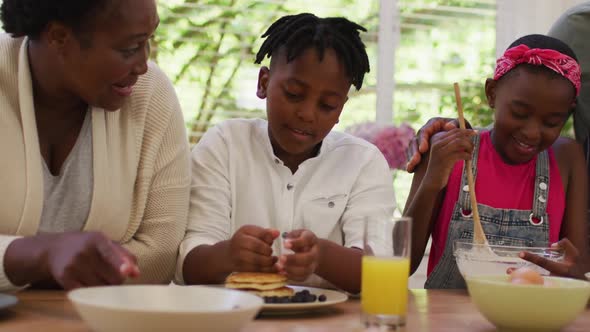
466,188
543,186
331,204
542,199
289,186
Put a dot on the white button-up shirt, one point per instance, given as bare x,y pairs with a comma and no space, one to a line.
237,180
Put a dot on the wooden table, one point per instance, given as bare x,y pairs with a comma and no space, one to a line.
429,310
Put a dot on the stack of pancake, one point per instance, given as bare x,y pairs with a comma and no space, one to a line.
261,284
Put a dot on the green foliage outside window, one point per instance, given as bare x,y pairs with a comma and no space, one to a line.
207,47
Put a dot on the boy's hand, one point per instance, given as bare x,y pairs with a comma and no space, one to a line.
300,265
447,148
251,249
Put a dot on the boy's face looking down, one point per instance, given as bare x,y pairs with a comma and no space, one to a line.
304,99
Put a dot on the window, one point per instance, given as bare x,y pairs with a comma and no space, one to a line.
207,48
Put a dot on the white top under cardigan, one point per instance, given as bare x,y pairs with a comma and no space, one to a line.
68,195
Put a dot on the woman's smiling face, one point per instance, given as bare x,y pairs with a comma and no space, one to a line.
103,69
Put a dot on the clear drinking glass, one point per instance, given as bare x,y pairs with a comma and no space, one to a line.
385,272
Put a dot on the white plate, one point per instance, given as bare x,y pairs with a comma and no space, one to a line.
332,297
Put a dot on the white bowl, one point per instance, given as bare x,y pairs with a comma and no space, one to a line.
164,308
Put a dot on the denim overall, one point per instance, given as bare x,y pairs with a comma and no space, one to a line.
526,228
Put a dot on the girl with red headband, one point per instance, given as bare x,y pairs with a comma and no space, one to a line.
530,184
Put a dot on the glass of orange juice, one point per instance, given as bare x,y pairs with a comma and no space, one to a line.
385,272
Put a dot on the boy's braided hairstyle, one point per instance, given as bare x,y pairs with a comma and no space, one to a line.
300,32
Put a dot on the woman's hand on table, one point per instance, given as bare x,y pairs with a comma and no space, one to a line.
77,259
573,266
251,249
69,260
303,262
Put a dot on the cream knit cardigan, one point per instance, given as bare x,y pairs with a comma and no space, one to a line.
140,164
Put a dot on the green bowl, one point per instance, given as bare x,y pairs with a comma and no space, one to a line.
528,307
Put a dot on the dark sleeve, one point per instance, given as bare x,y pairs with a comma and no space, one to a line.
573,28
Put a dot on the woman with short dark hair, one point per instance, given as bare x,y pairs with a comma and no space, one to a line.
95,170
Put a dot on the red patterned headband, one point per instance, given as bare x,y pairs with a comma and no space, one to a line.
560,63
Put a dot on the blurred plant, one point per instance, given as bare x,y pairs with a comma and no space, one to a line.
392,141
365,130
475,104
207,42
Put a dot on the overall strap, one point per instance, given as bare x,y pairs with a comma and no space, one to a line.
464,190
541,195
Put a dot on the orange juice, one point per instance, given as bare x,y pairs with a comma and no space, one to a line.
384,288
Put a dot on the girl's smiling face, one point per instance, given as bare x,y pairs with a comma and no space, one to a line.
531,106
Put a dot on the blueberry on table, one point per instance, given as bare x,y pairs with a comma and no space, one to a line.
322,298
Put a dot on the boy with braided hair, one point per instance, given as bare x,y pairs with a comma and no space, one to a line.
253,179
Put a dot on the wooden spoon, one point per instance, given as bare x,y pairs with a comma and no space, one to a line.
479,236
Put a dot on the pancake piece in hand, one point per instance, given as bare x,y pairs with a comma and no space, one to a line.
261,284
